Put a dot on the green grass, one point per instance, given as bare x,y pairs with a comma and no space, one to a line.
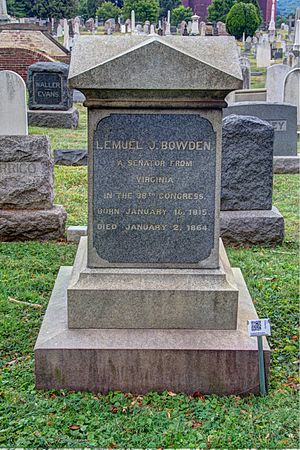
61,419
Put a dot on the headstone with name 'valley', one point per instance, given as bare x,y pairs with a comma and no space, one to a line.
50,100
13,111
152,291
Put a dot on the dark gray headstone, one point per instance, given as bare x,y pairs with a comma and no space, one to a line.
247,163
154,188
48,88
282,116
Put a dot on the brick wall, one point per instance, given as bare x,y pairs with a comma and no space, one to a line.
19,49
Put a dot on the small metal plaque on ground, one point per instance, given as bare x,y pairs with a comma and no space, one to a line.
154,188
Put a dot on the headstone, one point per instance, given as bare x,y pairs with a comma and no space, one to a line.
248,44
147,27
247,163
155,295
263,56
3,12
26,190
70,157
13,110
283,118
292,90
152,29
202,28
59,32
247,176
246,72
275,82
66,34
50,100
90,25
133,21
277,53
182,27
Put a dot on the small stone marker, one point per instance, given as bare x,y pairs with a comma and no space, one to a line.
13,110
50,99
152,290
26,190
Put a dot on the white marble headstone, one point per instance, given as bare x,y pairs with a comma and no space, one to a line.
292,90
13,108
275,82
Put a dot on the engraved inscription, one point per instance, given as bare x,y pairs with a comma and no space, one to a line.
154,188
278,125
20,169
47,89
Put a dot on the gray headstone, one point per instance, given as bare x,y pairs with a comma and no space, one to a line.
48,88
13,109
247,164
292,90
70,157
283,118
26,172
275,82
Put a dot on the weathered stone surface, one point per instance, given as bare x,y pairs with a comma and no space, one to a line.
283,118
76,232
22,225
26,172
54,119
145,298
213,362
275,82
70,157
292,89
13,114
78,97
48,86
286,164
252,227
247,163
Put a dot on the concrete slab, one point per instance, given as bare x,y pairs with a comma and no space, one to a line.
139,361
286,164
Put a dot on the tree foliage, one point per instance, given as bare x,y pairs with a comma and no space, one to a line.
55,8
167,5
219,9
144,10
107,10
242,18
19,8
181,13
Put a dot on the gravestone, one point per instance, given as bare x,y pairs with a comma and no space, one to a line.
263,53
292,90
13,111
246,72
151,281
275,82
283,118
247,215
50,100
26,190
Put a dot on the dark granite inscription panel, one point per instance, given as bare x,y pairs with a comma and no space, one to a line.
154,188
47,89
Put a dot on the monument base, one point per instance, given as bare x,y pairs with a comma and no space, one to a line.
255,227
30,224
142,360
286,164
205,299
54,119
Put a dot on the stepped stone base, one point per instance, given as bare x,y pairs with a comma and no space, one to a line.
31,224
54,119
255,227
142,360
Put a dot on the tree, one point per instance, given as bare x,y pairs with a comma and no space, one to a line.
167,5
108,10
218,9
144,10
19,8
181,13
256,4
242,18
91,7
56,9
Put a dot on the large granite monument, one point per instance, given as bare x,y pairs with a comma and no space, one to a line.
50,100
152,302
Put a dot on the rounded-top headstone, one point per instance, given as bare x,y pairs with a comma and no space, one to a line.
13,110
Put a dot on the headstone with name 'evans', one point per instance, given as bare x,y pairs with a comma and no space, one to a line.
50,100
13,111
152,265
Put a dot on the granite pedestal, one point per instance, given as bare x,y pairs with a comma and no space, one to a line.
220,362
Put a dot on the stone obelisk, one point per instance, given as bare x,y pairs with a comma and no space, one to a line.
3,12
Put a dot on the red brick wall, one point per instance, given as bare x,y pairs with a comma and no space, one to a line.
19,59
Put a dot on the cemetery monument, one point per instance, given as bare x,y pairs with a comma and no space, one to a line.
50,99
151,302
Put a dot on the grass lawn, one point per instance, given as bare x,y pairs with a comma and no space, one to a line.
61,419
